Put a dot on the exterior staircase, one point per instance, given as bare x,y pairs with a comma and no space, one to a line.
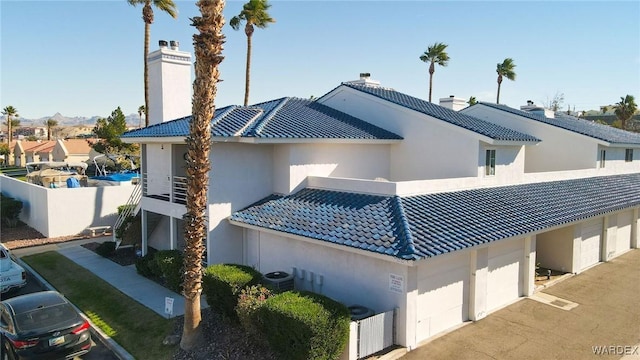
131,209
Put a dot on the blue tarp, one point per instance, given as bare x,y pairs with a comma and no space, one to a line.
73,183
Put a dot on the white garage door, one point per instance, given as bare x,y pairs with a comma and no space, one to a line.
443,293
504,282
623,238
590,247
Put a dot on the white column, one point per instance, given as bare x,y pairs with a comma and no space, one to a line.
529,264
479,268
635,222
172,233
407,314
143,216
576,261
609,232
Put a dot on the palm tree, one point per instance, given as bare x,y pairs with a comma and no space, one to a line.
147,16
505,70
208,51
472,101
50,124
9,112
142,110
435,54
254,13
625,109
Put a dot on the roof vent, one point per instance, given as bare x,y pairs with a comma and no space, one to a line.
529,102
163,44
174,45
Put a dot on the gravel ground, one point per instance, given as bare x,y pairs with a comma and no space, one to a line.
24,236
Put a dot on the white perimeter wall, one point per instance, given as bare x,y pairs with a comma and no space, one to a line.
241,175
64,211
559,150
294,162
431,149
554,249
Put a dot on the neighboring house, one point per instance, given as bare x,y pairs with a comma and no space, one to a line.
29,151
373,197
37,131
570,143
73,150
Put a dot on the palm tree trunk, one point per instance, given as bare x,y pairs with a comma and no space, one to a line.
431,71
9,129
208,51
247,72
147,36
499,83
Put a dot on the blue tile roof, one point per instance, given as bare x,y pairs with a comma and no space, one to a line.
285,118
424,226
577,125
471,123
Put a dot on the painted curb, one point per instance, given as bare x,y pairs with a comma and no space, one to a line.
107,341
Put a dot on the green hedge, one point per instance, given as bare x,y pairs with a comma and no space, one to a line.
222,284
106,248
304,325
10,209
250,300
166,265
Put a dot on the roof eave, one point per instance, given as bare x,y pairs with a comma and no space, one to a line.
261,140
376,255
154,139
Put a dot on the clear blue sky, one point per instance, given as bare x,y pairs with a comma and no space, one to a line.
84,58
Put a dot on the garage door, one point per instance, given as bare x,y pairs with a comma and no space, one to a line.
590,246
504,282
443,293
623,238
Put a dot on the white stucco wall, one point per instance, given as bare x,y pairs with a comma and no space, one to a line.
158,168
615,159
294,162
559,150
348,277
509,164
65,211
555,248
431,149
241,175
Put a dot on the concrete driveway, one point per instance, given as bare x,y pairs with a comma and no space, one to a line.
608,314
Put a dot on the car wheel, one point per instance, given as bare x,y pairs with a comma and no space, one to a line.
7,354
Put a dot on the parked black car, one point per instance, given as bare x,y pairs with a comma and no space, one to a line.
42,325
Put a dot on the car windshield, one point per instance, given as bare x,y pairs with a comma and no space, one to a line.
52,317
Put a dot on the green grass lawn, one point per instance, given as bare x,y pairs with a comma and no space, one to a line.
136,328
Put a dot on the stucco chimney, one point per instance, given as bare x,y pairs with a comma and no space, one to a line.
453,103
365,79
536,109
169,83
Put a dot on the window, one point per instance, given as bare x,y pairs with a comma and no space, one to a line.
603,157
628,155
490,163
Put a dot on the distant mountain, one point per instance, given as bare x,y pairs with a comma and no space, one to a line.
132,120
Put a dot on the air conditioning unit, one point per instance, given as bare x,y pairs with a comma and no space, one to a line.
359,312
279,280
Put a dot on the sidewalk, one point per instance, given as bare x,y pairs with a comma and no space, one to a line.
123,278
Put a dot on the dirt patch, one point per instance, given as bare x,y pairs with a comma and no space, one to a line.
122,256
23,236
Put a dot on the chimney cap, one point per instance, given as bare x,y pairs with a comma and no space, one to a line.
163,43
174,44
451,96
365,75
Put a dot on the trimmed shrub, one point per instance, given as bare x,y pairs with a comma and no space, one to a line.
143,266
309,326
250,299
222,284
106,249
169,263
10,209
